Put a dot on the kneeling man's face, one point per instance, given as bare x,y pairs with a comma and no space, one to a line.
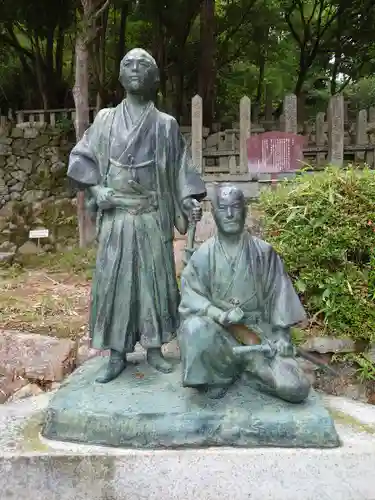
230,211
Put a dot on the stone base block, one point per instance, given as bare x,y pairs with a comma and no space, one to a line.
145,409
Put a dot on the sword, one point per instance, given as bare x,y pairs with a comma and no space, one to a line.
267,350
189,249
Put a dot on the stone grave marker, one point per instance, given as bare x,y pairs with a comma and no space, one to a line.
274,153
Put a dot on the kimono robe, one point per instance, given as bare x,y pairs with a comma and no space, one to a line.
134,293
255,281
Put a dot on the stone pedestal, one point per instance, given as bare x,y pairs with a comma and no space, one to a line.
145,409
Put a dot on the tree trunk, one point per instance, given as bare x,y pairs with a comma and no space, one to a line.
159,52
121,46
207,70
39,70
101,97
260,85
82,121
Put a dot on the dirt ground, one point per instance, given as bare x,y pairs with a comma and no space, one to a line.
49,299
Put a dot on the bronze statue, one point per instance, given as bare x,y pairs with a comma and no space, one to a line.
237,307
140,184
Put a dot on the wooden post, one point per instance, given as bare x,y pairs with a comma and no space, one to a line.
245,132
290,114
336,130
197,132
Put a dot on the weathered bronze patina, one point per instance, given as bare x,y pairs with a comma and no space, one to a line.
237,307
140,184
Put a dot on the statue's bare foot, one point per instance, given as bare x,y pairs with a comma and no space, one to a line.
156,359
116,365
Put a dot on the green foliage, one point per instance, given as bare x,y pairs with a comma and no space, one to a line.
361,94
365,368
322,225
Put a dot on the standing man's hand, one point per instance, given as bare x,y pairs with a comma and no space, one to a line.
102,197
193,208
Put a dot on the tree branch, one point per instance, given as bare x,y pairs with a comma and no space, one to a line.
100,11
237,27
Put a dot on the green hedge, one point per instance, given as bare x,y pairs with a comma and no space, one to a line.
323,225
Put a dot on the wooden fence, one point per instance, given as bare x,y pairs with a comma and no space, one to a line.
329,138
223,154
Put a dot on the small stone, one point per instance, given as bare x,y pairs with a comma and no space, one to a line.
29,248
17,133
5,149
324,345
54,386
33,196
30,133
19,147
25,164
58,166
16,187
11,160
6,257
84,354
5,140
27,391
36,357
7,210
7,246
9,385
19,175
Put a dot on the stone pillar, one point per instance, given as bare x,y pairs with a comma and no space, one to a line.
361,134
290,114
336,130
197,132
245,132
320,138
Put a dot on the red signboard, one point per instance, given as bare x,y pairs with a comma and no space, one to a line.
275,152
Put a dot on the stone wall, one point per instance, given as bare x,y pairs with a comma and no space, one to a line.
34,191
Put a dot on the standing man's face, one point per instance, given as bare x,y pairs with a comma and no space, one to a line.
138,73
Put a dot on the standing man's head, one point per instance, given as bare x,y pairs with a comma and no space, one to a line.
139,73
229,209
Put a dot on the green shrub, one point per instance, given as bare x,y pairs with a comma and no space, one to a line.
323,225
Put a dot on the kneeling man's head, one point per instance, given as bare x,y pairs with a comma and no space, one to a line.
229,209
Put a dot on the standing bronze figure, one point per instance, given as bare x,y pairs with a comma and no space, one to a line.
140,182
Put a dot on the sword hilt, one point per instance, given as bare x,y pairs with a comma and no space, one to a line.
248,349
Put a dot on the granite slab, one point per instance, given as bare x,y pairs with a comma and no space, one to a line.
144,409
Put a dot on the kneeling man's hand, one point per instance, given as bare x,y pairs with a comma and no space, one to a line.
232,317
284,348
